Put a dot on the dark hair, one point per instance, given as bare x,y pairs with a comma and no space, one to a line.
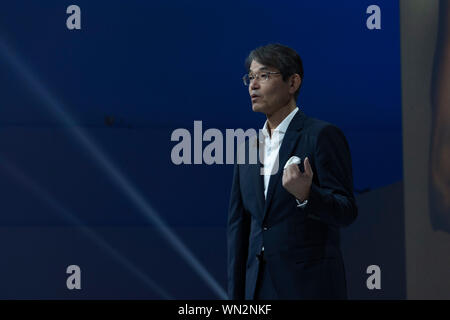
283,58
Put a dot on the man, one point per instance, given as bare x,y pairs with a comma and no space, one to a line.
283,224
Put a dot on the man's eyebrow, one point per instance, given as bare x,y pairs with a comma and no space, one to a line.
262,68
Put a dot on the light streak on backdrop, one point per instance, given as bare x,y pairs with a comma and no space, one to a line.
57,108
21,177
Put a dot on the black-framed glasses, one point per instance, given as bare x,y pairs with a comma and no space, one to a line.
261,76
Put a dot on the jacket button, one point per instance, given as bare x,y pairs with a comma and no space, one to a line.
265,228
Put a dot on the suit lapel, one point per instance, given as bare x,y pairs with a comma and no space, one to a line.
259,187
257,179
286,149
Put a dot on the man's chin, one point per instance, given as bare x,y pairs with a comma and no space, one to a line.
257,108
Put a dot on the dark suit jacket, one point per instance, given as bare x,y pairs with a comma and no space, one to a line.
301,245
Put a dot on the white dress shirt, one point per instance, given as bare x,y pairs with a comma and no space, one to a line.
271,149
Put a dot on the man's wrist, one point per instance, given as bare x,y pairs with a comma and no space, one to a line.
302,197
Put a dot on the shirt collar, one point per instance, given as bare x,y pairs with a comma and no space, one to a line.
282,127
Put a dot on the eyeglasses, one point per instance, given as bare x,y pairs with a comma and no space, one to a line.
263,76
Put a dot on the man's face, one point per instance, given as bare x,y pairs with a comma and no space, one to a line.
268,96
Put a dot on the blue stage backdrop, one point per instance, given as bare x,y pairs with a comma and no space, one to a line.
86,118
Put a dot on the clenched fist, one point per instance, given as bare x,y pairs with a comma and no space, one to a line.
296,182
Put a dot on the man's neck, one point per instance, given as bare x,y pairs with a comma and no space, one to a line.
274,119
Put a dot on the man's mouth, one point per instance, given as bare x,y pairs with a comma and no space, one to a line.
254,97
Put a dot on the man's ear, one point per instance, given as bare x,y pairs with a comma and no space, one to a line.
294,83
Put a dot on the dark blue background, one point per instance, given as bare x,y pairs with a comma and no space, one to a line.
157,66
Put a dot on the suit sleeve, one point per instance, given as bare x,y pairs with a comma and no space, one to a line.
238,230
331,199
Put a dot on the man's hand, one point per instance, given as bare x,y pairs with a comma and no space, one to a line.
296,182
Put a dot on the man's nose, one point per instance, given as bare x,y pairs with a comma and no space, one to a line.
254,84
